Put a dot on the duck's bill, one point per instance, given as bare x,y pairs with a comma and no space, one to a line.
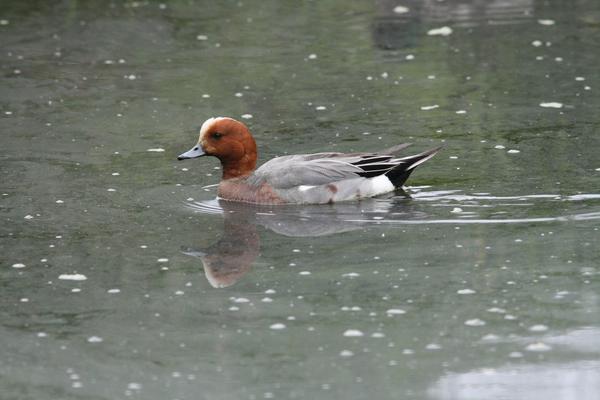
194,152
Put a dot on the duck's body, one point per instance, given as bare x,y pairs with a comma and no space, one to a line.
299,179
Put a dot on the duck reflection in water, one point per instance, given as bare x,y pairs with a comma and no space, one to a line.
231,257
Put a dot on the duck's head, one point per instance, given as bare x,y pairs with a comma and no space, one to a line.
228,140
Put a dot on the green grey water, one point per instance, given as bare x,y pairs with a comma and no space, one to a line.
122,277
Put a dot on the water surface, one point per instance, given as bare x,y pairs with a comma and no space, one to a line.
123,277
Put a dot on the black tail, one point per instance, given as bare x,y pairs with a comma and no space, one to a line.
399,174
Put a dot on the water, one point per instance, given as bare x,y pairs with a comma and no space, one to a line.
122,277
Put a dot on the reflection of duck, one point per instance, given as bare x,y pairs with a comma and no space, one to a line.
397,27
226,261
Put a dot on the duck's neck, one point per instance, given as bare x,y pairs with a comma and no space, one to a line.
239,168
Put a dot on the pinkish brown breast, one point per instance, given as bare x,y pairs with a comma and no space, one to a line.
236,189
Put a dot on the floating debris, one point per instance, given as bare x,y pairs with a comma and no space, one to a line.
427,108
538,347
247,116
466,291
346,353
277,327
401,10
353,333
513,151
72,277
395,311
202,37
95,339
546,22
551,104
474,322
156,150
18,265
443,31
538,328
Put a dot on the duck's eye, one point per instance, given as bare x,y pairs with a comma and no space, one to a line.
217,135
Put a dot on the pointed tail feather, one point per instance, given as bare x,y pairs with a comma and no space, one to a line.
399,174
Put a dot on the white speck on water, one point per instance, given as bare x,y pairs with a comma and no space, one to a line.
206,96
351,275
546,22
456,210
134,386
490,337
4,22
453,157
270,291
234,308
75,290
538,328
579,78
466,291
8,112
395,311
430,76
461,112
95,339
443,31
113,291
59,201
247,116
76,385
156,150
433,346
179,293
536,43
353,333
304,272
377,335
409,57
320,108
72,277
201,37
427,108
162,260
346,353
18,265
241,300
28,216
597,169
587,88
515,354
24,300
277,327
551,104
474,322
510,317
238,94
401,10
111,190
42,334
513,151
558,59
312,56
266,300
499,147
538,347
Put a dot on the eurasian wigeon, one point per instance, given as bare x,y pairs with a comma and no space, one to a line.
299,179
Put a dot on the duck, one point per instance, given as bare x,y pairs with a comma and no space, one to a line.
318,178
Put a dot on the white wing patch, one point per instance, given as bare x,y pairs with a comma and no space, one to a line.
381,184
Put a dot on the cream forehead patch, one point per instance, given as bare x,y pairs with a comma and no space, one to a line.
208,124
